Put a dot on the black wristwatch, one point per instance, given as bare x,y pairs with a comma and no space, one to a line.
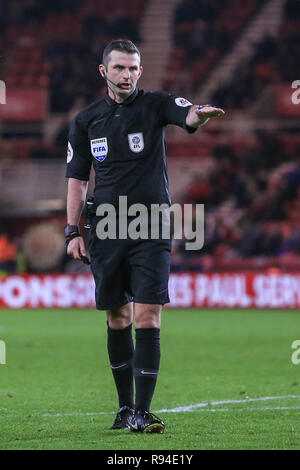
71,229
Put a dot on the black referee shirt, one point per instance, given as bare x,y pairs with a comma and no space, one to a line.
126,145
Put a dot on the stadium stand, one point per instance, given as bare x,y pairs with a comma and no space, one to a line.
51,44
272,63
251,191
202,32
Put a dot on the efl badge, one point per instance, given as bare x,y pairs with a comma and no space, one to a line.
182,102
136,142
69,153
99,148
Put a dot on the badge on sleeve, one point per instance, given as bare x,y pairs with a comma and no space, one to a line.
136,142
182,102
99,148
69,153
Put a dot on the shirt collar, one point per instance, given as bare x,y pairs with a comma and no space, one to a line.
128,100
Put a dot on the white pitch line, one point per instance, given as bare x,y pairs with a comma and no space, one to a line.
248,408
206,410
204,406
185,409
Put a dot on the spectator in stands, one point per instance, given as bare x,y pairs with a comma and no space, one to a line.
197,39
185,11
289,183
200,189
205,9
59,6
94,24
61,138
292,10
6,151
192,24
43,152
267,48
124,25
270,149
273,61
290,240
62,98
32,12
8,261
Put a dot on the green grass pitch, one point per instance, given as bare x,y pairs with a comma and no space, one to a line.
234,366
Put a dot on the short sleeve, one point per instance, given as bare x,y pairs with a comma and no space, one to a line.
79,157
175,110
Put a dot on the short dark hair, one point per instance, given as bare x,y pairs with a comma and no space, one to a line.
122,45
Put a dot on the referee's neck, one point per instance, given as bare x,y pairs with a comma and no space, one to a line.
118,99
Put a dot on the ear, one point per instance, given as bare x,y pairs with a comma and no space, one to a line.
141,71
102,70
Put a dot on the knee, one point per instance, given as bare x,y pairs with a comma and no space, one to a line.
147,316
120,318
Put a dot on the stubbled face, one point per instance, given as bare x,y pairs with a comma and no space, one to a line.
122,73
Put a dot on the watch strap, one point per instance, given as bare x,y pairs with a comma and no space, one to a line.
71,229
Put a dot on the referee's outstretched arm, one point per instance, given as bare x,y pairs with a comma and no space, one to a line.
77,190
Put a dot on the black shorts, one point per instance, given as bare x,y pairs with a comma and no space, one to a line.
129,271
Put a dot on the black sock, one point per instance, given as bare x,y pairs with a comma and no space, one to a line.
146,365
120,351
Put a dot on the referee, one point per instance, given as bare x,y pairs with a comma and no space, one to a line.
122,136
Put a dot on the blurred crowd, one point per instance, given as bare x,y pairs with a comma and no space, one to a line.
252,205
8,255
196,28
274,61
203,31
71,36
